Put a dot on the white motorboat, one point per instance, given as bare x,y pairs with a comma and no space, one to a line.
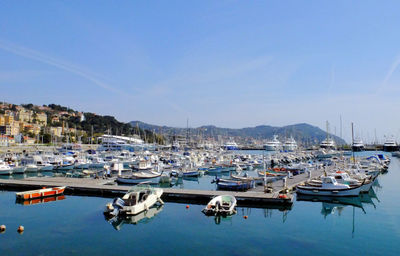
18,169
5,169
290,145
273,145
31,168
328,187
45,167
344,178
138,199
224,205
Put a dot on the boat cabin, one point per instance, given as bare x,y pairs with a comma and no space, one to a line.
133,198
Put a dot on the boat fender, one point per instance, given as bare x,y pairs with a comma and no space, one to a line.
21,229
2,228
283,196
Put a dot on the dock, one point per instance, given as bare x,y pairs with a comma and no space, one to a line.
107,188
260,196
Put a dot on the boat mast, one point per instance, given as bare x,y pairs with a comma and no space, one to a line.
352,142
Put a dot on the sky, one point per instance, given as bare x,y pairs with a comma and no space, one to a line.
226,63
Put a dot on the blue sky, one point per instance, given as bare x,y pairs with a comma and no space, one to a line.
227,63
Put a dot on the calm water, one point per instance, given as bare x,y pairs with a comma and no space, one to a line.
76,226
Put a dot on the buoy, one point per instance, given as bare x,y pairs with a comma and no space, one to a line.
187,206
283,196
2,228
245,217
20,229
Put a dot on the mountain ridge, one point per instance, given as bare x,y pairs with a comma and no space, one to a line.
302,132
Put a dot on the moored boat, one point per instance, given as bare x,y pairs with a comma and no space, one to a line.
328,187
224,205
138,199
39,193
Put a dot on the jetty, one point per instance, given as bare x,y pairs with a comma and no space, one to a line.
107,188
260,196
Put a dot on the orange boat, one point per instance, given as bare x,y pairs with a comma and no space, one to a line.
39,193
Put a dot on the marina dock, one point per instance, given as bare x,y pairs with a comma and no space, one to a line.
255,197
105,188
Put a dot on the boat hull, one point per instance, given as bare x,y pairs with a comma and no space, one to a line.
309,190
46,192
127,180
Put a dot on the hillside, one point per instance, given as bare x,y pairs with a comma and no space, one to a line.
302,133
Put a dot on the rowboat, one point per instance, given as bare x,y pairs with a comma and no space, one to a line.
235,185
224,205
44,192
140,177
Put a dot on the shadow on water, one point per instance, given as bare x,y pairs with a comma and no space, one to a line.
142,218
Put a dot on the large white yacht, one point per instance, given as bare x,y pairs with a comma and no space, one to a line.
230,145
290,144
358,145
390,145
328,143
273,145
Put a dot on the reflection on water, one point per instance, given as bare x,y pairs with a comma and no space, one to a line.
40,200
336,205
144,217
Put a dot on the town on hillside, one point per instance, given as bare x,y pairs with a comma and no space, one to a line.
29,124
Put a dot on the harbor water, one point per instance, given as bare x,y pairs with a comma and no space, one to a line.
75,225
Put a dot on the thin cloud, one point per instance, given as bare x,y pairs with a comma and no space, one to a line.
390,72
35,55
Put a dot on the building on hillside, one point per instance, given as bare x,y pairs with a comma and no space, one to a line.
32,128
6,141
41,118
55,131
8,118
24,115
2,121
55,119
28,140
10,130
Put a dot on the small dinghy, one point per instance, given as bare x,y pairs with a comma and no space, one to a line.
223,205
138,199
140,177
39,193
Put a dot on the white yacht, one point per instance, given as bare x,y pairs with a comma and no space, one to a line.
328,143
231,145
358,145
290,145
390,145
273,145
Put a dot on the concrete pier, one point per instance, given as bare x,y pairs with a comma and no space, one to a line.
106,188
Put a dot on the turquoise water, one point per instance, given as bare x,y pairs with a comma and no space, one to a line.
76,226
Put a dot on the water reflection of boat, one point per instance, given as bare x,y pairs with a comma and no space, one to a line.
354,201
144,217
40,200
